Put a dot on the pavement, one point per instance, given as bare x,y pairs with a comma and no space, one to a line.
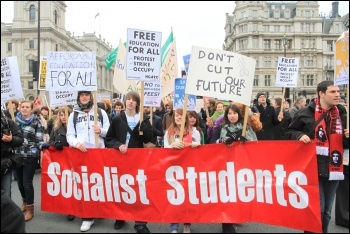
48,222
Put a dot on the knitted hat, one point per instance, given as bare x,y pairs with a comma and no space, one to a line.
44,108
259,94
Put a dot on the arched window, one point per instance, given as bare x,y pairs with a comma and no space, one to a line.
32,12
55,16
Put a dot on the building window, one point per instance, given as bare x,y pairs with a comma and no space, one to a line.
30,85
266,14
267,80
287,28
257,64
255,27
329,45
289,44
273,7
31,65
9,47
277,28
287,14
56,47
267,44
307,14
277,14
309,61
267,62
283,6
243,15
55,16
278,44
266,28
31,44
255,43
255,13
32,12
243,44
256,80
310,80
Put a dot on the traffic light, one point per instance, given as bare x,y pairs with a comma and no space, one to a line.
35,70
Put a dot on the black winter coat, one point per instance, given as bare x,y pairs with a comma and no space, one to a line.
59,136
117,132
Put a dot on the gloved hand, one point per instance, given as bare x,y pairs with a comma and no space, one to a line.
226,140
194,144
177,145
59,146
242,139
45,146
234,135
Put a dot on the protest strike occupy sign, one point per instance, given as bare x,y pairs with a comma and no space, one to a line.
287,72
209,184
10,79
71,71
143,55
221,74
62,98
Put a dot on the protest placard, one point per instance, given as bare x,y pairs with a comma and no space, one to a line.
152,94
63,98
10,79
287,72
71,71
143,55
179,96
221,74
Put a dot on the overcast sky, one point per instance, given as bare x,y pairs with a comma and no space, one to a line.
193,23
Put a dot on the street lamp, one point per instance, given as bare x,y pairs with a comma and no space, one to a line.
286,95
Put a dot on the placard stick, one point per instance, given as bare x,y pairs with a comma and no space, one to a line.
183,117
65,113
94,93
246,112
141,105
283,93
151,116
12,113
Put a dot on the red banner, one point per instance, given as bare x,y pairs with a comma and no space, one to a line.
271,182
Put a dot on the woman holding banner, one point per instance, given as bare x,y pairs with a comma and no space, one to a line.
191,137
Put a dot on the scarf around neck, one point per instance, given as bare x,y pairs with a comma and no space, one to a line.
20,119
329,140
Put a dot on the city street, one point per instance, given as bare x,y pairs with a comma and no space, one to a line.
46,222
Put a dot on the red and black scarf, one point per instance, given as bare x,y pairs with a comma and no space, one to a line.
329,142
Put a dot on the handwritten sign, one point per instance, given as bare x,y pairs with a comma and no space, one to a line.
10,79
221,74
71,71
179,95
341,75
143,55
42,73
152,94
63,98
287,72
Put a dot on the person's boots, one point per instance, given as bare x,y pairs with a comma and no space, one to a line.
29,213
24,204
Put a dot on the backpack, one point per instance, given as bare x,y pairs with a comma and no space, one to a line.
75,116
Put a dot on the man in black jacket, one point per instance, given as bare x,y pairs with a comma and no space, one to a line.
124,133
11,136
268,117
323,111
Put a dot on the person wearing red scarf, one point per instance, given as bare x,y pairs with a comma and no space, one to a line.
320,122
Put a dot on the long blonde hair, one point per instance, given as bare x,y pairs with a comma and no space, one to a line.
58,123
175,129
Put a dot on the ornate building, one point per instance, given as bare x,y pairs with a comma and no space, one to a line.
20,39
265,30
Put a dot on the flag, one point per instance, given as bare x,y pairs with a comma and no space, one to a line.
166,46
169,71
120,82
37,102
112,56
98,14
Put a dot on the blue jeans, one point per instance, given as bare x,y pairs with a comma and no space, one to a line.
328,188
25,175
6,182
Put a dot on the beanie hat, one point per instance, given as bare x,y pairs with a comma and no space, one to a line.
44,108
259,94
